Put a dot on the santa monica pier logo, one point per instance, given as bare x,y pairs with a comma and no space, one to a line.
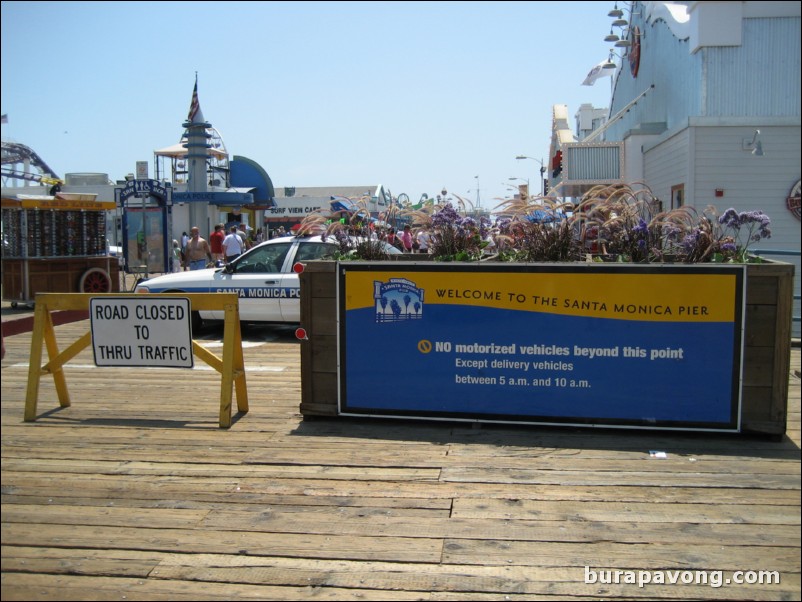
397,300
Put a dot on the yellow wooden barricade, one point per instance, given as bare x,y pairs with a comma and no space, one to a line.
231,366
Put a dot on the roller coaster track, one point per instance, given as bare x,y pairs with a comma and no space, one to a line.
16,161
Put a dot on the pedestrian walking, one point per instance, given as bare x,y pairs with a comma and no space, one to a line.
233,245
406,239
178,257
197,252
216,239
424,239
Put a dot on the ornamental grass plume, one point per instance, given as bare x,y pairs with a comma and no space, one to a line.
621,223
692,235
707,237
535,229
352,230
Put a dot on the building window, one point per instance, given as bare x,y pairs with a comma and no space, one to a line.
677,196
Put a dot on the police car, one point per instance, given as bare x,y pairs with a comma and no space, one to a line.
262,277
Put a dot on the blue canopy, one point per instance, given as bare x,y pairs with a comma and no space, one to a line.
343,204
540,216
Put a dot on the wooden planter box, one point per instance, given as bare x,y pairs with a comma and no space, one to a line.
767,344
767,347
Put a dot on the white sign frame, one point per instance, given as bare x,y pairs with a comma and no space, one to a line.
141,331
141,170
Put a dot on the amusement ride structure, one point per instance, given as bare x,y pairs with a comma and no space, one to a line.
217,161
17,161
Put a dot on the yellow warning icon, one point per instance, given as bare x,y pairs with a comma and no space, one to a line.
424,346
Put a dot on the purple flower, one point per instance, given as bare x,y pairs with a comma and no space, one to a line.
467,223
690,240
445,217
730,219
642,228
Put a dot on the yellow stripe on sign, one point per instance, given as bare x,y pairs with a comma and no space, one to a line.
698,297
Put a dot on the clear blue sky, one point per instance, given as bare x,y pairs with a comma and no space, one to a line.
415,96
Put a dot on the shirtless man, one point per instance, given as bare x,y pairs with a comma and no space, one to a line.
198,252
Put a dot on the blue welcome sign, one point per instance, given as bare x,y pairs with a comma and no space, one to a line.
646,346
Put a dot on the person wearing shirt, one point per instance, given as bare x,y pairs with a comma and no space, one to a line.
423,238
232,245
406,239
216,242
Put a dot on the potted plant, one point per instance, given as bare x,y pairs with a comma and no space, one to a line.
609,225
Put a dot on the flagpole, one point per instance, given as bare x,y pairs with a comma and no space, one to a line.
197,153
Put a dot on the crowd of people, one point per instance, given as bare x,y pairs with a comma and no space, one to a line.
406,241
196,253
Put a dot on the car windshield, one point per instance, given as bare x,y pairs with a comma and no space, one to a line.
262,259
391,250
307,251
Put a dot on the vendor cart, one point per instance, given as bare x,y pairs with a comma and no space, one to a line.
56,244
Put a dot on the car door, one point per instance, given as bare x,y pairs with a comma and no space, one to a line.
306,250
259,279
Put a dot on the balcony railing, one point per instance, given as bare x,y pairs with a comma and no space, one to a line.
585,165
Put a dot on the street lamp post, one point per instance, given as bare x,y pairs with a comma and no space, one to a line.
542,172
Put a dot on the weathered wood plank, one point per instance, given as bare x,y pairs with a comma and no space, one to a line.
326,578
419,456
225,541
69,587
360,523
619,555
118,563
198,469
640,512
356,493
150,518
639,479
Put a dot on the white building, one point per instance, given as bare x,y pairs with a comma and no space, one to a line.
293,204
705,110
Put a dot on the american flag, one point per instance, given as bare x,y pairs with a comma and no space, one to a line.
195,106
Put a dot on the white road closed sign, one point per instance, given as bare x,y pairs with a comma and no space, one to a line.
141,331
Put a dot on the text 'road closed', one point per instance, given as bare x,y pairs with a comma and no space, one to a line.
153,331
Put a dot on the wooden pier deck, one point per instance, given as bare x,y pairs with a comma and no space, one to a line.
134,493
